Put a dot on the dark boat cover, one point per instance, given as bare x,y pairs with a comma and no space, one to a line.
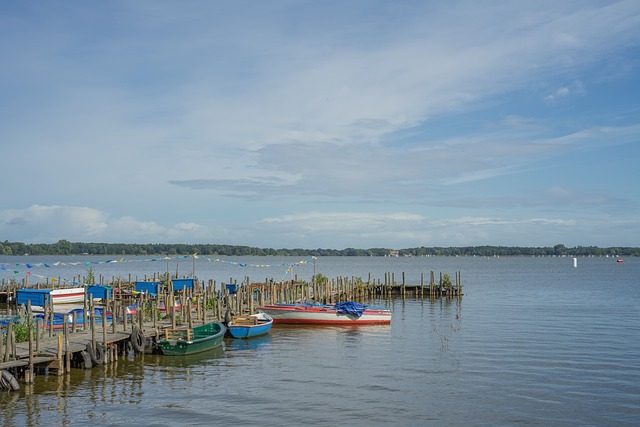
350,307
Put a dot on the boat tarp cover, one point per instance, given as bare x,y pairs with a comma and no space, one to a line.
151,288
182,284
350,307
39,297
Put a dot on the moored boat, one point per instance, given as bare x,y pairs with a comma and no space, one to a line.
345,313
180,342
67,295
177,306
250,326
50,296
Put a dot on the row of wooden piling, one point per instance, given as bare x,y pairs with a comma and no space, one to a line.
328,291
351,289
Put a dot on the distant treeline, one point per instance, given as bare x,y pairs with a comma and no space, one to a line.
64,247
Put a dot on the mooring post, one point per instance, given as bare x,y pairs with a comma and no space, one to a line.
48,317
85,308
28,378
404,289
141,306
202,306
67,349
154,312
125,319
7,348
30,326
114,315
431,284
93,325
37,336
104,329
171,307
59,356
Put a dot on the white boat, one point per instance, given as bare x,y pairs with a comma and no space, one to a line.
349,313
67,295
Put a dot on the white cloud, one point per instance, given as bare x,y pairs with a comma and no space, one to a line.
43,223
335,221
277,109
46,224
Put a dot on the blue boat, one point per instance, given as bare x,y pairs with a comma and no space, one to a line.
250,326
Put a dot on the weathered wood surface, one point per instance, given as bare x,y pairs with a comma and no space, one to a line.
25,362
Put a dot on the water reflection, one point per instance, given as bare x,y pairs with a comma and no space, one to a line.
186,361
251,344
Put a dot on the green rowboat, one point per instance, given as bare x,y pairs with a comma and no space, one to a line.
180,342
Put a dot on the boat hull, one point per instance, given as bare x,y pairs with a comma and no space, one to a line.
193,341
309,314
241,328
41,297
67,296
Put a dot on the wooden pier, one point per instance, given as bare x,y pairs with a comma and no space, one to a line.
95,340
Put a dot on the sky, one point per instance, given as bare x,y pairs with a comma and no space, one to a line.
321,124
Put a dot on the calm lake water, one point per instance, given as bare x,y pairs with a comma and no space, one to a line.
534,341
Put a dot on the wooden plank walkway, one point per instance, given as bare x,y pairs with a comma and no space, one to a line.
49,346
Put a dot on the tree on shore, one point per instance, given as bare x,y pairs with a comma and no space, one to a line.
65,247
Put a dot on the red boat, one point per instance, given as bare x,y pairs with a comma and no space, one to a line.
349,313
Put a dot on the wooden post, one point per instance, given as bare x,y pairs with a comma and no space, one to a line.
7,348
67,349
60,367
28,378
154,313
74,320
114,315
49,315
13,345
104,330
85,308
37,336
93,325
183,305
431,284
171,308
141,306
125,318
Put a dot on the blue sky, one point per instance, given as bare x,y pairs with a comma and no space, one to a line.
321,124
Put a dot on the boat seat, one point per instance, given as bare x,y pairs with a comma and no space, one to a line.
245,320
